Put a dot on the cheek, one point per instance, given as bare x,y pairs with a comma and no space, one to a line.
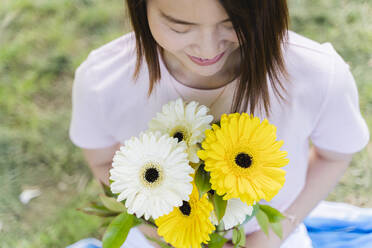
166,38
170,42
232,37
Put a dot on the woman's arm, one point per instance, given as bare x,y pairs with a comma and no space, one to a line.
100,160
324,171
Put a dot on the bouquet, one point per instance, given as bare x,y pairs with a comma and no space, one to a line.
194,180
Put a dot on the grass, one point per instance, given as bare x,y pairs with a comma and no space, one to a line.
41,44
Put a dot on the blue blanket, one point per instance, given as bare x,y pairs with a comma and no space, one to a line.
329,225
335,224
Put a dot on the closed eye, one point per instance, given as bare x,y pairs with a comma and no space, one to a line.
184,32
179,32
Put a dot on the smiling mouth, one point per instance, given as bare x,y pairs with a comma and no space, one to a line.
207,59
201,61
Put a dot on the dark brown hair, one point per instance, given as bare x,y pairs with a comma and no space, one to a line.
262,29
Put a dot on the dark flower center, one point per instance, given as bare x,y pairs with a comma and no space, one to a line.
185,208
179,136
243,160
151,175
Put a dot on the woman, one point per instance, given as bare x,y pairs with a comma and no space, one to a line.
232,56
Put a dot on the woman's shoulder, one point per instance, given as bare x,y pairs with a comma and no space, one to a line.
110,67
308,46
311,54
117,54
313,65
123,45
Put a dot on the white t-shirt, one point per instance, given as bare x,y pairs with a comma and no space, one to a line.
108,107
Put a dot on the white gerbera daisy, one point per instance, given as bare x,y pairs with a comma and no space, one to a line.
186,122
235,214
152,174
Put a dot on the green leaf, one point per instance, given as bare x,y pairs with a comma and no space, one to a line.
98,205
162,244
242,235
106,222
219,205
277,228
138,221
107,189
263,221
112,204
273,214
238,238
202,180
216,241
98,212
118,230
220,227
254,211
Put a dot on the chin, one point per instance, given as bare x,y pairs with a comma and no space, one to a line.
205,70
206,73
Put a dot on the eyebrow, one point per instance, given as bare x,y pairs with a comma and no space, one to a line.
175,20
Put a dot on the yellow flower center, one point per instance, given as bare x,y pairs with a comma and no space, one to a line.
151,174
185,208
243,160
180,133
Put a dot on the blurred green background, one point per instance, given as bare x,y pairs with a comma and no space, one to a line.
41,44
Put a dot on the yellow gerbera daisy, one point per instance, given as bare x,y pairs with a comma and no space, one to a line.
243,158
188,225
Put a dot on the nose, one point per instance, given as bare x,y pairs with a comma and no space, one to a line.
209,45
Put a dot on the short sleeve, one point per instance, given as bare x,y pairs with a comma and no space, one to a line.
340,127
87,126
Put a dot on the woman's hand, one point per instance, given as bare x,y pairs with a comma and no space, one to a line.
258,240
228,245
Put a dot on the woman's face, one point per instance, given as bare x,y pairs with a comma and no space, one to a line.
198,28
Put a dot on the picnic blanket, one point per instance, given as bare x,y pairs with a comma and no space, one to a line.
337,224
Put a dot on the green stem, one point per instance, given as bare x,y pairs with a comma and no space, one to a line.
220,228
147,222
